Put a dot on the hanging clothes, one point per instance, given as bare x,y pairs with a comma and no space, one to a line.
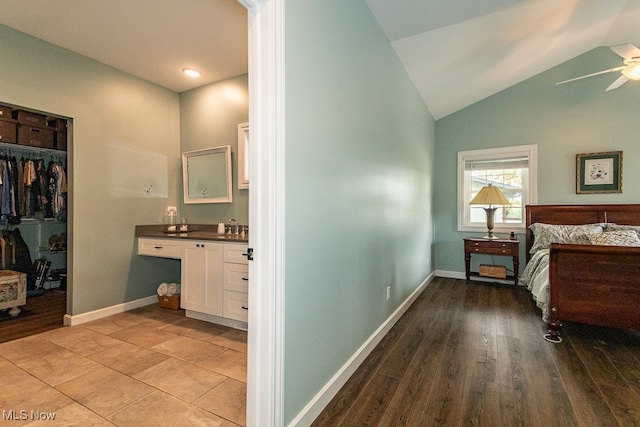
32,187
57,190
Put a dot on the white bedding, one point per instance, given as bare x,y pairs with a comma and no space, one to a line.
536,278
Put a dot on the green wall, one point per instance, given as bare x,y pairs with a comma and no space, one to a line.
209,117
565,120
359,178
125,137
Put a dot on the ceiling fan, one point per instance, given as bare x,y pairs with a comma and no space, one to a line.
630,70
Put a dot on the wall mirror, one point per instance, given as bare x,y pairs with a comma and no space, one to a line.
206,175
243,156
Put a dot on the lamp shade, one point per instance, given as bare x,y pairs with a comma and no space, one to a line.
490,195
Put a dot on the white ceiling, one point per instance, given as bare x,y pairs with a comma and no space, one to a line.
150,39
456,52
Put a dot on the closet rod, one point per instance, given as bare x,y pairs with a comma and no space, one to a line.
9,146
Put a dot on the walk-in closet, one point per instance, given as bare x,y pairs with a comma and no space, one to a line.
33,217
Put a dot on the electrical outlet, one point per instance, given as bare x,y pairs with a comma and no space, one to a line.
388,292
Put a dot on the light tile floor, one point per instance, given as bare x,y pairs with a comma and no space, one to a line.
146,367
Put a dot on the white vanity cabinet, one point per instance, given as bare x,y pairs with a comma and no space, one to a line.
201,277
214,277
235,282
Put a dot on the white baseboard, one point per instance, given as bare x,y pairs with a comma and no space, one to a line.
311,411
79,319
451,274
237,324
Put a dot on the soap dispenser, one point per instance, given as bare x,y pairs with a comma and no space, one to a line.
221,227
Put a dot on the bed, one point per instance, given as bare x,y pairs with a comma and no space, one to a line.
581,279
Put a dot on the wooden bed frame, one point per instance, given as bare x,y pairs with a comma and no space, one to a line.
596,285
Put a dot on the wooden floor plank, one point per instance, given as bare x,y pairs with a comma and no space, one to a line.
625,404
371,404
474,354
41,313
407,407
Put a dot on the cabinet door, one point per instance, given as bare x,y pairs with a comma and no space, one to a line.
201,276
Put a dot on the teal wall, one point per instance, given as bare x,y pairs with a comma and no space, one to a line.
209,117
359,177
565,120
125,137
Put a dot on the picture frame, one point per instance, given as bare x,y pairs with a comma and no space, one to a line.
599,172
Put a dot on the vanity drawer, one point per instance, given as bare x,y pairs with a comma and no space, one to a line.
233,252
163,248
236,306
236,277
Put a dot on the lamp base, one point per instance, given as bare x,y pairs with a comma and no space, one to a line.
491,237
490,212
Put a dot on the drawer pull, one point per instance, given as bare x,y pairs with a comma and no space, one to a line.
476,250
245,308
245,278
158,247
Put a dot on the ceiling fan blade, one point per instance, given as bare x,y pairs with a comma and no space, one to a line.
610,70
619,82
626,50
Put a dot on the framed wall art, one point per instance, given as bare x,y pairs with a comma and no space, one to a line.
599,172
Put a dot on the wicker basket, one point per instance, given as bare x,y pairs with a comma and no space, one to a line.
172,302
495,271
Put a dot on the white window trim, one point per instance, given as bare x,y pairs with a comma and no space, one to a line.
530,198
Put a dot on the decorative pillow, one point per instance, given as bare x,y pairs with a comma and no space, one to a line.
618,227
615,238
546,234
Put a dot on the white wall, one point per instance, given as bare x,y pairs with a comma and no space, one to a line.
359,176
125,137
209,117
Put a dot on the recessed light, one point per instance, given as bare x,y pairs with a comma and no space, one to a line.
191,72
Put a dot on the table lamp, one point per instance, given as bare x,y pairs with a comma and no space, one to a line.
490,195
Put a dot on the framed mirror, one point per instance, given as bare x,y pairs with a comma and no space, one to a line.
206,175
243,156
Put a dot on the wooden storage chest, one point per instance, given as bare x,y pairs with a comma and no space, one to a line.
8,131
60,140
28,118
35,136
5,112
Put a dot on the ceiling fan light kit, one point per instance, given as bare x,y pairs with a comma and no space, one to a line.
630,70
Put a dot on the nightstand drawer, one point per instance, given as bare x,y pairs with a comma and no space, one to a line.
492,247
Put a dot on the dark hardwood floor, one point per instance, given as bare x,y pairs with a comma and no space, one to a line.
41,313
474,354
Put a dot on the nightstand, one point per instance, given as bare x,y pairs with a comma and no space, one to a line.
491,247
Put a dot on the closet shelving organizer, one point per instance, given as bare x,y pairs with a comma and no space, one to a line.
38,230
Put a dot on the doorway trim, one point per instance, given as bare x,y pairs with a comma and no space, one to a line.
265,373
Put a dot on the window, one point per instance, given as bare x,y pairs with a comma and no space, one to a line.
512,169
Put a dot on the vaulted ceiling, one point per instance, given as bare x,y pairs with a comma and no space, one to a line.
456,52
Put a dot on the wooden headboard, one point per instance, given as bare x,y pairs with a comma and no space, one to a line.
579,214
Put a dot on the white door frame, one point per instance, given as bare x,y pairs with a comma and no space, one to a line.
266,213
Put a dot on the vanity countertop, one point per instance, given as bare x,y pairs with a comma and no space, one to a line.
196,232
